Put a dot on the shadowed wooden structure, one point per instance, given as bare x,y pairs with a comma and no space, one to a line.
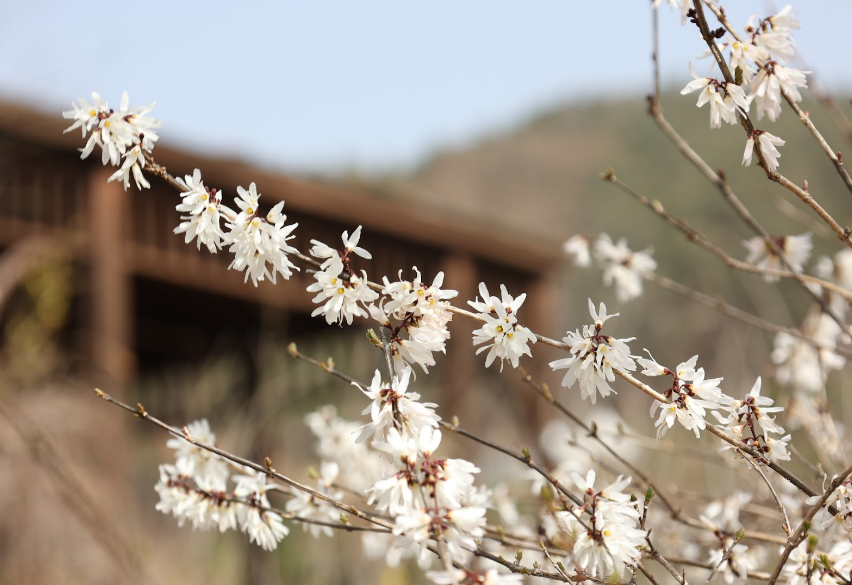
120,239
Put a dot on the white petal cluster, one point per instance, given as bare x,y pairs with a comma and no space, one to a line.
622,267
796,249
394,408
505,337
690,397
766,143
337,442
578,248
723,515
803,365
837,270
744,417
807,567
341,291
124,136
416,315
263,526
726,99
195,488
738,564
309,507
608,539
841,499
426,495
259,244
202,219
594,357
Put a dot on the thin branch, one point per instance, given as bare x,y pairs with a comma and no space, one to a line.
728,552
751,574
804,117
524,458
720,305
140,412
845,234
786,526
699,239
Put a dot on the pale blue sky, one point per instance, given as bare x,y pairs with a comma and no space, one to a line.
314,85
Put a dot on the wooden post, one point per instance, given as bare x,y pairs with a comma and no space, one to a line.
111,294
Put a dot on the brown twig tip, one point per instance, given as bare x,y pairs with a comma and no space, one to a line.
100,393
292,349
608,175
268,462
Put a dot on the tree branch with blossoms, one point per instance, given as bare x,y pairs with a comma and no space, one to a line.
419,504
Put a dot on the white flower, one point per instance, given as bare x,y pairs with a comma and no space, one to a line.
738,563
724,514
622,266
594,357
335,262
803,365
394,407
422,312
796,249
263,527
260,244
577,248
506,338
134,160
195,461
690,396
743,55
202,206
772,79
341,297
612,540
805,566
766,144
308,507
86,115
726,99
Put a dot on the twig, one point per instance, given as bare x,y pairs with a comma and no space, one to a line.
728,552
786,526
140,412
720,305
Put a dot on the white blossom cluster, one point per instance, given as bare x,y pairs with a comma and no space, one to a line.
759,63
416,316
690,396
594,356
125,136
195,488
428,497
622,267
505,337
341,291
804,365
603,535
841,499
808,566
796,250
743,417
